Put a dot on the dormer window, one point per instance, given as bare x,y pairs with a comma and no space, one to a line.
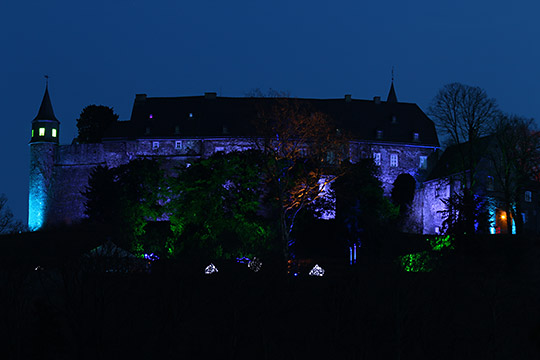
416,136
41,131
177,129
53,132
147,132
379,134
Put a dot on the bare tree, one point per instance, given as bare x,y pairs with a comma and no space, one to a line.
305,150
8,224
514,159
464,114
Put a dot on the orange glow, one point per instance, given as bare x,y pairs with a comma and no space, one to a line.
503,217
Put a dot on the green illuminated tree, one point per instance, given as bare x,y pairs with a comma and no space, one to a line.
215,208
124,199
93,121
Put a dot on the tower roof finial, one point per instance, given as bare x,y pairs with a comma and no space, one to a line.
392,93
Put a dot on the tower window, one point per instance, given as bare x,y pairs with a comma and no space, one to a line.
32,132
53,132
41,131
393,160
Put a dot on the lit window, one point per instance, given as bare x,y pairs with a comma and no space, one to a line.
377,158
155,145
416,137
41,131
178,144
379,134
53,132
32,132
393,160
423,162
528,196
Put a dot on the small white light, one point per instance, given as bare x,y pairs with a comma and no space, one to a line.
316,271
210,269
255,264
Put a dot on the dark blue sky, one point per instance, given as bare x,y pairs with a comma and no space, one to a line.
104,52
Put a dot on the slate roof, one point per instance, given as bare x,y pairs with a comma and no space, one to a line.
207,116
46,110
452,161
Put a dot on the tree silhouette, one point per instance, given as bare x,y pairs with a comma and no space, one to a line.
93,121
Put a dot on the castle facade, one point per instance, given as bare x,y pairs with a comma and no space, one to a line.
399,137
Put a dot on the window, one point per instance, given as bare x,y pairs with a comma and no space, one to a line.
32,132
178,144
393,160
53,132
416,137
155,145
379,134
147,131
41,131
219,149
423,162
377,159
528,196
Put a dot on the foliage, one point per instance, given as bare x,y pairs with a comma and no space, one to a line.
427,261
215,208
93,121
361,205
8,224
465,213
514,159
124,199
304,151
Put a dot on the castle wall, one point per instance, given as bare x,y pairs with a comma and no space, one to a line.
74,164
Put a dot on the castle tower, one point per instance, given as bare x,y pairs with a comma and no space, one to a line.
43,144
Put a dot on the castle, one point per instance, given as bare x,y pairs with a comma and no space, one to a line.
178,130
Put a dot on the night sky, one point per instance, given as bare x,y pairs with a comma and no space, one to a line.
104,52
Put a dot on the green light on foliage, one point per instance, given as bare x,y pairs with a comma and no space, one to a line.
441,242
417,262
426,261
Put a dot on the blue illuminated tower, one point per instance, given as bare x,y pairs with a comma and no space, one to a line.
45,133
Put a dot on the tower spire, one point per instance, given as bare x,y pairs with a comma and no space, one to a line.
46,111
392,93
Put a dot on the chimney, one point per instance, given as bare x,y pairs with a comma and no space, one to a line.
210,95
377,99
140,97
347,97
